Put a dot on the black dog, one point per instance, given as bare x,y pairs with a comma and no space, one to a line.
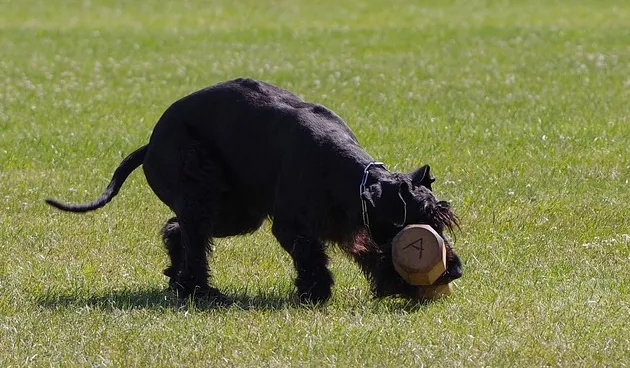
228,156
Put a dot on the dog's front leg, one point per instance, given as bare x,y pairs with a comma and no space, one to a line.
314,281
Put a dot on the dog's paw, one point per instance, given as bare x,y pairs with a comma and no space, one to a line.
316,294
315,287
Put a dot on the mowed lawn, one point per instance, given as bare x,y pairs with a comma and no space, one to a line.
522,108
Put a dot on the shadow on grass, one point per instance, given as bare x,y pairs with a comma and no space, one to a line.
162,299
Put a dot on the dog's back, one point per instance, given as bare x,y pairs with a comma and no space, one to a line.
245,118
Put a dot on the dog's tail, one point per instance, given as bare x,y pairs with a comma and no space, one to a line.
128,165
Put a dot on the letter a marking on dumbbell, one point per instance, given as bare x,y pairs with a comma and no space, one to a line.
414,246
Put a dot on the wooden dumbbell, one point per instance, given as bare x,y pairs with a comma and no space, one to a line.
419,254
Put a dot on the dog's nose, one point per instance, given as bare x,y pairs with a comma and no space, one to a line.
454,268
454,272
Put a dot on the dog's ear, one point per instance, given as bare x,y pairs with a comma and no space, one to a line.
404,190
422,176
387,200
371,194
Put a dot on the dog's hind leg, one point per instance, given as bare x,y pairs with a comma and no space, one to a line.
192,278
314,280
195,212
172,238
191,187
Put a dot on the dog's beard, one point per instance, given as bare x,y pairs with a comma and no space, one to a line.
446,216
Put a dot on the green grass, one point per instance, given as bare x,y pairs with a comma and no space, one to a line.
521,108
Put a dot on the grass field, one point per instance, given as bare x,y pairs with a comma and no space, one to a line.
521,108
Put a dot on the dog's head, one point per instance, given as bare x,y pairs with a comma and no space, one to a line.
395,201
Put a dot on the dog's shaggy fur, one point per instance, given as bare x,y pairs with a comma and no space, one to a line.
228,156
